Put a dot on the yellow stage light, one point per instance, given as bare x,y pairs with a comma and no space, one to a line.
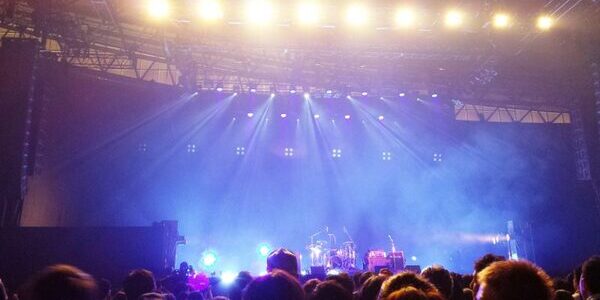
259,12
357,15
501,21
210,10
545,23
309,13
405,18
454,19
158,9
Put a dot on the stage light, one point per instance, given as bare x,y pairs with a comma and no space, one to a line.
413,258
288,152
381,118
333,272
228,277
501,21
158,9
272,95
210,10
250,115
219,89
316,116
434,95
292,91
454,19
240,151
209,259
437,157
191,148
405,18
347,117
402,94
364,93
309,13
252,90
329,92
259,12
336,153
306,95
545,23
283,116
386,155
264,250
357,15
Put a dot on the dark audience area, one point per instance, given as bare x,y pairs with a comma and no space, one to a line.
493,278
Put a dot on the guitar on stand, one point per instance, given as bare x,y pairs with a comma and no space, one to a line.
396,258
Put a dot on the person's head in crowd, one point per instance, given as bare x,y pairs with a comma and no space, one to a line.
407,279
309,286
590,278
486,260
283,259
386,272
575,278
152,296
356,279
344,280
195,296
274,286
183,268
363,277
370,289
440,278
407,293
240,283
104,288
63,282
331,290
559,283
513,280
482,263
561,294
139,282
3,292
467,294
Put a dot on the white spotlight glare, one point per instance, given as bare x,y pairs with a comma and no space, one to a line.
158,9
306,95
309,13
210,10
364,93
283,116
381,118
545,23
434,95
357,15
402,94
347,117
317,116
405,18
259,12
454,19
250,115
228,277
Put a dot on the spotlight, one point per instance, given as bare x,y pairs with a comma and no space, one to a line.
402,94
264,250
240,151
293,91
386,155
413,258
364,93
158,9
405,18
209,259
283,116
357,15
454,19
250,115
309,13
288,152
210,10
347,117
545,23
306,95
501,21
228,277
329,92
272,95
259,12
381,118
333,272
434,95
316,116
219,89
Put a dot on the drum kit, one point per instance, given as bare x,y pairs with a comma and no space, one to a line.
326,252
